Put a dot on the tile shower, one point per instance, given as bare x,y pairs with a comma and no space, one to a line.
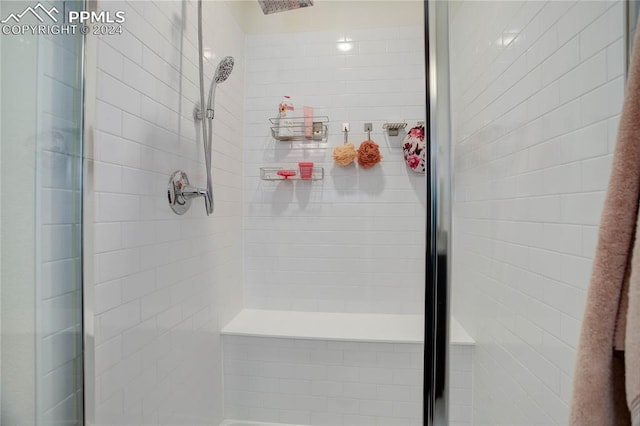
536,97
351,243
164,284
337,245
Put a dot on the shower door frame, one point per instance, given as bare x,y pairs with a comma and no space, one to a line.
438,226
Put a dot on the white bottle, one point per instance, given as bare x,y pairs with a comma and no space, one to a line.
286,123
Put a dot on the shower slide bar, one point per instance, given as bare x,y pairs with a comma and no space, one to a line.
180,191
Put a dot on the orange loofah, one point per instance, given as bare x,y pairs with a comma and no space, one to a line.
368,154
344,155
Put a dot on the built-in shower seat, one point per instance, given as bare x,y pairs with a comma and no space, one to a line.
337,369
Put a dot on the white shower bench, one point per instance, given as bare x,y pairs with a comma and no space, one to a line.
336,368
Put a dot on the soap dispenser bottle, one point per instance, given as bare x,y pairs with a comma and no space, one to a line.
286,123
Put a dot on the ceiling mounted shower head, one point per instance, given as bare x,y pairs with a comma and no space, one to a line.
224,69
274,6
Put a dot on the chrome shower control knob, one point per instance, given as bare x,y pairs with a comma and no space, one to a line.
181,192
178,184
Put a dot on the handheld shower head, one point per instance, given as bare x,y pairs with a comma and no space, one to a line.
222,73
224,69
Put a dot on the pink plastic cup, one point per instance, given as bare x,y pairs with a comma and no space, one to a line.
306,169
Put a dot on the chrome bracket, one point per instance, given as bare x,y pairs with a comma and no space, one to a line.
197,112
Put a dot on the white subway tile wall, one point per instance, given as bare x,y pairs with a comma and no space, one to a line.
323,382
335,383
353,242
164,284
461,385
537,89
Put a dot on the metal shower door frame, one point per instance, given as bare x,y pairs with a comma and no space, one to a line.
438,235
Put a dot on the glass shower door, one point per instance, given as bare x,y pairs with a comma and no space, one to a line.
40,204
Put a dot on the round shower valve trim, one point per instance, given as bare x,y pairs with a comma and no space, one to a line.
181,192
177,201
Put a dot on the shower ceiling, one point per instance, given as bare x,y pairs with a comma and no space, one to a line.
274,6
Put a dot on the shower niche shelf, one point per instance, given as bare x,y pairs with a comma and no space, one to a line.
315,129
290,173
